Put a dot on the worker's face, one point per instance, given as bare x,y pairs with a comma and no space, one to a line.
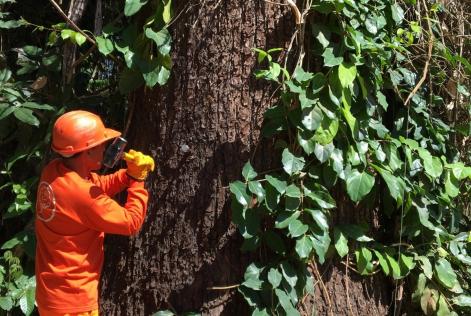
94,156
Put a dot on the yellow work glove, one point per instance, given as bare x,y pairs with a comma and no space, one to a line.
139,164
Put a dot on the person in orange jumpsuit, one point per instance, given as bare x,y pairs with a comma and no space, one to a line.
75,209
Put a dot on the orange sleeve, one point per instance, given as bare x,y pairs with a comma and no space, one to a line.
113,183
106,215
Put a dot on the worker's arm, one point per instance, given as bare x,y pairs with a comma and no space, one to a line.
113,183
104,214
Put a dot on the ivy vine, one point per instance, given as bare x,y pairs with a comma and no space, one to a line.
356,118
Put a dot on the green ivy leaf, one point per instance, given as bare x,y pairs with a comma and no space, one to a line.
6,303
382,262
396,270
463,300
105,45
297,228
239,189
164,313
274,277
330,60
301,76
131,7
395,161
153,72
34,105
248,172
256,188
292,204
27,301
323,153
251,296
11,24
322,34
252,276
445,273
371,26
279,185
320,196
426,266
397,13
68,34
293,191
5,75
306,141
406,264
395,185
167,13
162,39
318,82
319,217
359,184
285,302
26,116
327,130
421,282
341,242
337,162
79,38
347,73
289,273
364,256
354,231
443,307
312,118
459,170
452,186
432,165
303,247
291,163
285,218
321,243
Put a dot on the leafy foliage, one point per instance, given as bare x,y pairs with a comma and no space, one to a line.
346,128
16,289
130,51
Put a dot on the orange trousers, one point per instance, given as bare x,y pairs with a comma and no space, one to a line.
43,312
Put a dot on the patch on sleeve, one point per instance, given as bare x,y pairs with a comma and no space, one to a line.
46,202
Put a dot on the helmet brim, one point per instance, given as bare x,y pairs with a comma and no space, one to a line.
108,135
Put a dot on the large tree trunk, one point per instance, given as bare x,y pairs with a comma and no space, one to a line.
201,128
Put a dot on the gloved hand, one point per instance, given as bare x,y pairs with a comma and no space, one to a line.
139,164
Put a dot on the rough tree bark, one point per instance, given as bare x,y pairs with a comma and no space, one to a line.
201,128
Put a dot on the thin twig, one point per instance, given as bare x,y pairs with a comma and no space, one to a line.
82,57
427,62
59,9
130,114
295,10
327,296
346,285
228,287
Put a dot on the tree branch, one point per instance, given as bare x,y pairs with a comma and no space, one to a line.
74,26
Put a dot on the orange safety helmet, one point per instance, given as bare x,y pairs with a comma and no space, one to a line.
76,131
